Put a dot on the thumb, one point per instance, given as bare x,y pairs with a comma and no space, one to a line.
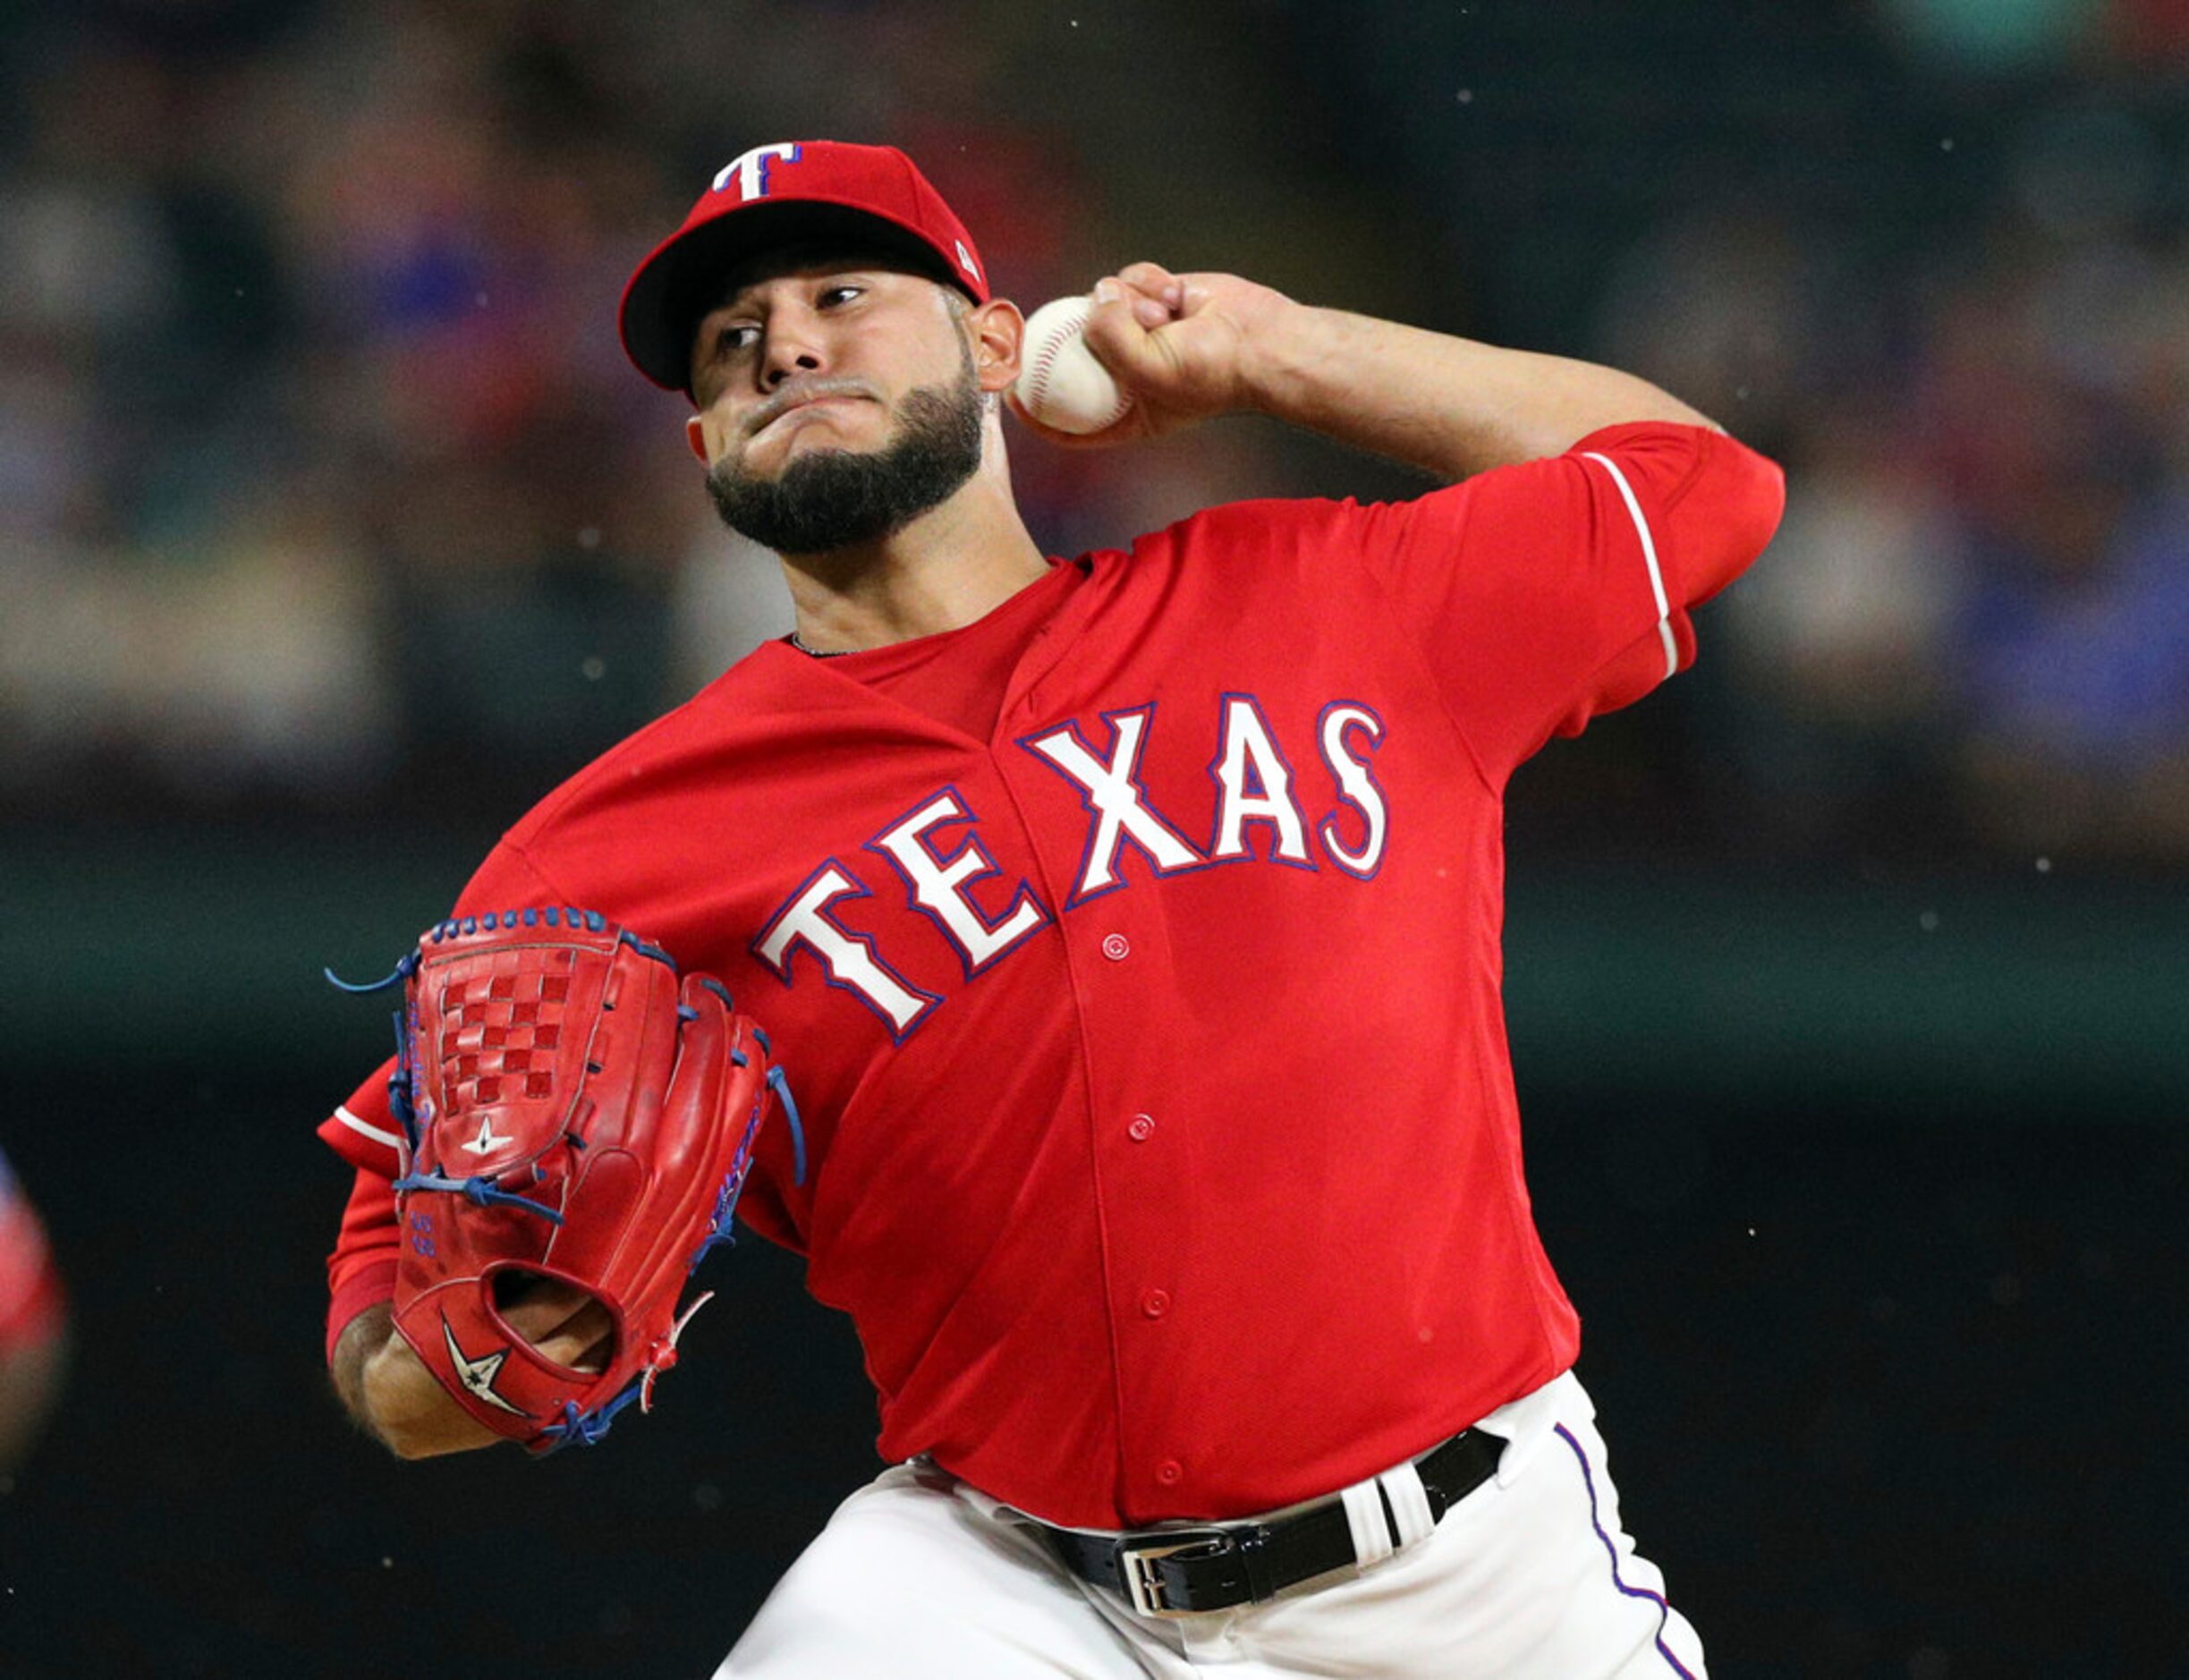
700,1085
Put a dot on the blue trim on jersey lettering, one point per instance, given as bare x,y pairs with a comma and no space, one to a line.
964,815
782,972
1245,854
1326,831
1140,794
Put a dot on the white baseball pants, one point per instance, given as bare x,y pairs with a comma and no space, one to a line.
1531,1577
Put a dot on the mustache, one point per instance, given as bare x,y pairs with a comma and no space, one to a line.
797,391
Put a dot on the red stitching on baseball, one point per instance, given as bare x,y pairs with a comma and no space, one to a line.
1046,358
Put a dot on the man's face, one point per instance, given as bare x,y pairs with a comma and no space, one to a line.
838,401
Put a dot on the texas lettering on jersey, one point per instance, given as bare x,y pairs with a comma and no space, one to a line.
1256,793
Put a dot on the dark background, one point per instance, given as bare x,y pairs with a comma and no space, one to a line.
1847,976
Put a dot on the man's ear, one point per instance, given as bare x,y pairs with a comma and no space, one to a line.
1000,335
695,433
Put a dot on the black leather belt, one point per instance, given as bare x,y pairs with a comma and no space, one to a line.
1183,1571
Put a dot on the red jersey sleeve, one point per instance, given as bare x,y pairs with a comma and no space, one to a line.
1547,592
360,1272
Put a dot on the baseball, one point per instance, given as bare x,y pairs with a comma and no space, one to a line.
1062,385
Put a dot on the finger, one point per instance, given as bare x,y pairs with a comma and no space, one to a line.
585,1342
1151,294
1148,308
565,1324
1116,336
1156,281
541,1306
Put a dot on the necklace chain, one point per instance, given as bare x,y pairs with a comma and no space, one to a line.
819,653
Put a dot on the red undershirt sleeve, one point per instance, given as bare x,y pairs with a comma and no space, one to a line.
360,1272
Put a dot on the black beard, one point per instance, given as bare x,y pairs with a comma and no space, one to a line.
839,498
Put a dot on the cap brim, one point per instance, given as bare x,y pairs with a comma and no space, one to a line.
687,273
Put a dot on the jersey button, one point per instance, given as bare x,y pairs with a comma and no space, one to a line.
1168,1472
1141,1129
1156,1302
1116,948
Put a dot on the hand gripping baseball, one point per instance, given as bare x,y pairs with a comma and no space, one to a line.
571,1112
1184,347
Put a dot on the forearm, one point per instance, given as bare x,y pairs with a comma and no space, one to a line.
387,1389
1449,406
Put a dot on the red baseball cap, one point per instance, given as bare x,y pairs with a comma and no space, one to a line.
776,195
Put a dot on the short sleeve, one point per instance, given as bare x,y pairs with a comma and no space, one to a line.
1547,592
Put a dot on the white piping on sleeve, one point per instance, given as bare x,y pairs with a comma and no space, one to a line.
1648,555
342,1114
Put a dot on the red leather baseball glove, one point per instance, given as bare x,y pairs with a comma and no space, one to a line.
570,1111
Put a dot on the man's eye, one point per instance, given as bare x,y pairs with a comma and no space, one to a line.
842,294
735,338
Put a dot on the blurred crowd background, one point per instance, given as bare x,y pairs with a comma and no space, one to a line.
1846,977
324,486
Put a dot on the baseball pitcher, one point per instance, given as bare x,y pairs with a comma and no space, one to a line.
1128,927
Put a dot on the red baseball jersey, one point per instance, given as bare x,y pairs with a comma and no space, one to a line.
1134,956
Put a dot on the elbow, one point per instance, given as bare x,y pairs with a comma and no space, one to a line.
402,1405
411,1448
1744,503
371,1414
407,1431
1761,504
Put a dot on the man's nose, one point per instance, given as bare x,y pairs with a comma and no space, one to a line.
791,350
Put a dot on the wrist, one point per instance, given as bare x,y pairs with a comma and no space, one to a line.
406,1408
1284,360
387,1389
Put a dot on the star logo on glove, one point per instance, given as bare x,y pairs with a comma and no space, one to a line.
486,1143
478,1375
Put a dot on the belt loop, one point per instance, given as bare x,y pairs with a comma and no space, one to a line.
1371,1536
1410,1512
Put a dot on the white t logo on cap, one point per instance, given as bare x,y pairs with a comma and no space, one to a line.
751,171
966,259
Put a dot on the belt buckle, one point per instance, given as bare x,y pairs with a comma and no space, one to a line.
1136,1564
